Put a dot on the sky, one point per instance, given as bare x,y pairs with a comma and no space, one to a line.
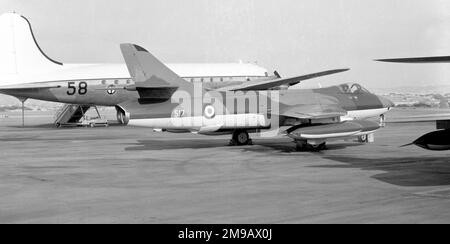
294,37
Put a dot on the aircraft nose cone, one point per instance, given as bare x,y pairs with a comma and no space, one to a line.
386,102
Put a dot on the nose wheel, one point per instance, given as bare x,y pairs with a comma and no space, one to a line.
240,138
382,120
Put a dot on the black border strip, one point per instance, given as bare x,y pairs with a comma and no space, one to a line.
35,42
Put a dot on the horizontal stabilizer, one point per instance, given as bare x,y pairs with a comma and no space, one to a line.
440,59
150,95
147,92
28,87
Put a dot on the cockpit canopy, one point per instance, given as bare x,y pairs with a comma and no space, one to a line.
352,88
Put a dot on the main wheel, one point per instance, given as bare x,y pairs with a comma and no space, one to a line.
320,147
241,137
303,146
300,146
363,138
120,117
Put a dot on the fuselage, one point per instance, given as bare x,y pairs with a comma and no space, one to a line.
27,72
100,84
255,108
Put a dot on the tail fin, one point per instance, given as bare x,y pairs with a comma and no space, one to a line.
19,51
148,71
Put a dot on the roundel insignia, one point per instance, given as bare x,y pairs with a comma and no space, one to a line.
209,112
111,90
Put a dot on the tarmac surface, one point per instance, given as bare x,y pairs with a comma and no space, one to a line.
133,175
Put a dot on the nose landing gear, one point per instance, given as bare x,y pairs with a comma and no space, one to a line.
382,120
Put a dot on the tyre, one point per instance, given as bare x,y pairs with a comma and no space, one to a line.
363,138
241,137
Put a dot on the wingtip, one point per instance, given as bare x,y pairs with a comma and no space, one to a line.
335,71
341,70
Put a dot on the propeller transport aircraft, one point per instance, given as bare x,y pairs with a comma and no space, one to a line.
437,140
309,116
26,72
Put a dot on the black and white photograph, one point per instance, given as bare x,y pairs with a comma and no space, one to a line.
211,112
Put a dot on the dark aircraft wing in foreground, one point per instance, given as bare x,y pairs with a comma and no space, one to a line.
420,118
439,59
437,140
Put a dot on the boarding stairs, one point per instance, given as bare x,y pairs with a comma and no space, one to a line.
70,114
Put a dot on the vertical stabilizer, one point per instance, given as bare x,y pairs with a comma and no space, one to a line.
19,50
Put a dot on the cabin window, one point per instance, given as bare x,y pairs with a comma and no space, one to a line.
211,79
221,79
103,82
116,82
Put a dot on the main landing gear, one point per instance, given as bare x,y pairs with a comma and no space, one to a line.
240,138
122,116
22,101
304,146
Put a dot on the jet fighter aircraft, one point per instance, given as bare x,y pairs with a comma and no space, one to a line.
310,117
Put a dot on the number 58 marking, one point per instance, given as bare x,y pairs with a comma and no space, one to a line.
82,88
